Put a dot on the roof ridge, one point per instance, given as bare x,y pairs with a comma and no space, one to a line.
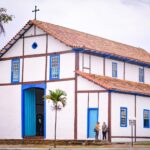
92,35
87,42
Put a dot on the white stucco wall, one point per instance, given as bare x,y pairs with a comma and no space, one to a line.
65,121
132,72
117,101
55,45
84,62
82,115
93,100
15,50
147,75
93,62
41,42
5,69
124,100
84,84
34,69
108,68
31,31
141,104
103,108
96,65
83,111
10,116
67,65
80,61
120,140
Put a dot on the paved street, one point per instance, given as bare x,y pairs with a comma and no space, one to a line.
75,149
6,148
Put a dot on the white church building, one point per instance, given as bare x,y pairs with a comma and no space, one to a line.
104,81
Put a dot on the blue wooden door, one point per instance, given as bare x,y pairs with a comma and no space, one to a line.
30,112
92,120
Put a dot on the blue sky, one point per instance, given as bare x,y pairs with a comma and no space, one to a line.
125,21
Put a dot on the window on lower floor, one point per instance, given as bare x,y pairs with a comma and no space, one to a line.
146,118
123,117
54,66
15,70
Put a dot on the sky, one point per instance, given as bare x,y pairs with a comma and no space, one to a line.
125,21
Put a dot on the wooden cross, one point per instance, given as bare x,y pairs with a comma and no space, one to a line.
35,11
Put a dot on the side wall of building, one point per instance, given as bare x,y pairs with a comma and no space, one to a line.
65,118
10,116
135,106
99,65
89,98
141,104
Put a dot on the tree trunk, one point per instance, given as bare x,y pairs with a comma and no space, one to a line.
55,126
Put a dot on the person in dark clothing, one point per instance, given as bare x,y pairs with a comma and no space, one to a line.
104,130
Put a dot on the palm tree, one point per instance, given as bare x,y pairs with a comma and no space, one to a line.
4,18
58,97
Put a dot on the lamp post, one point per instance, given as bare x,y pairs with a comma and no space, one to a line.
132,123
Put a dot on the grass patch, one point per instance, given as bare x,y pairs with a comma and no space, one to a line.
142,143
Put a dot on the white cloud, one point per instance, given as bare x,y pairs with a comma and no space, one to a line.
136,2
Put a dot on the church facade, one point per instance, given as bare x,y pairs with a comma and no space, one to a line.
105,81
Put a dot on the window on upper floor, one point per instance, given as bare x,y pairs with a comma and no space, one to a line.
114,69
123,117
146,118
15,70
54,67
141,74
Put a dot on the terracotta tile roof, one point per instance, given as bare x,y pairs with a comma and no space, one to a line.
117,84
78,39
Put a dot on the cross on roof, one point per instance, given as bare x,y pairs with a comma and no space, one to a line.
35,11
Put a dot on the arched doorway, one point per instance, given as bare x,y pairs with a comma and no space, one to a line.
33,112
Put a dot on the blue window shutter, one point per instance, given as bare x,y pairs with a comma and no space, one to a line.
146,118
141,74
15,70
123,117
54,67
114,69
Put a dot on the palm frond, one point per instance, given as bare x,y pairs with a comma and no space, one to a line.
57,96
4,18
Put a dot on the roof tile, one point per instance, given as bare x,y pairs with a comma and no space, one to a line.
78,39
117,84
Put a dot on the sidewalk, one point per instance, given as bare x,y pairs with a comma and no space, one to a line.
77,147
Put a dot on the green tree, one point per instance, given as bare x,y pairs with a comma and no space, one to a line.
58,97
4,18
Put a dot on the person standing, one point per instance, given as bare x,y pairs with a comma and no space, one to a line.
104,130
97,129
